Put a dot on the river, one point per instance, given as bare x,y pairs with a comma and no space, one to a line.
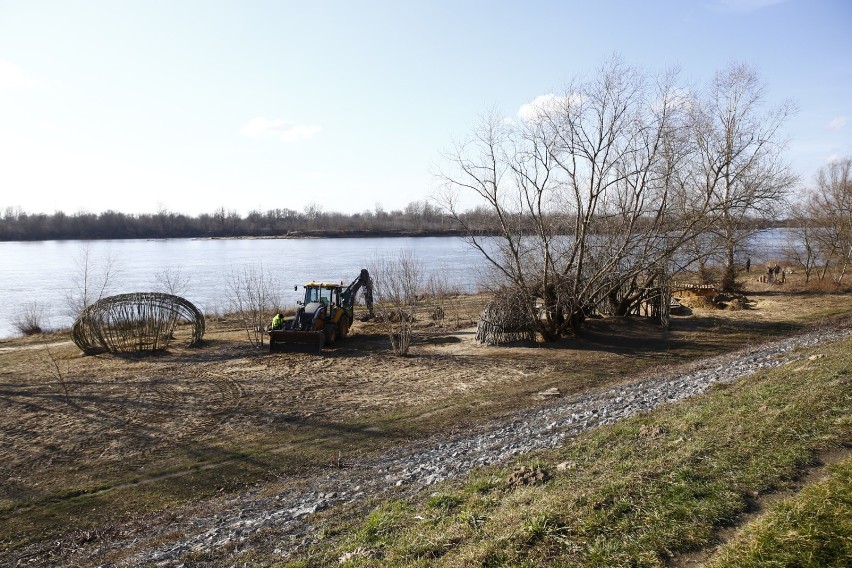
47,272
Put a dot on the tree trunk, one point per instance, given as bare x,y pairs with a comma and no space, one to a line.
729,275
624,306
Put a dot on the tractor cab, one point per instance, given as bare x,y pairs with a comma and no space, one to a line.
322,292
321,298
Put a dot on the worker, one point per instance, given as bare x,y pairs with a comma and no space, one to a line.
277,321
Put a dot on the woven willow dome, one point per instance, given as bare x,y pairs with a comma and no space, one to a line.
505,319
142,321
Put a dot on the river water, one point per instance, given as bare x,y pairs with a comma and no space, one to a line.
47,272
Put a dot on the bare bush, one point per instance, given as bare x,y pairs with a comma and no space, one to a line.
29,319
253,299
440,293
396,285
802,247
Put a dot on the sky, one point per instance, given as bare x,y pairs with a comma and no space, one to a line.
192,105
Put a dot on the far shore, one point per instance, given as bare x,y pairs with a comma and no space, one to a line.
366,234
319,234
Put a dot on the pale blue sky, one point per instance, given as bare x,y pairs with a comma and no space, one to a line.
193,105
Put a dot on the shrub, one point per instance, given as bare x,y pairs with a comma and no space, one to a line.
29,319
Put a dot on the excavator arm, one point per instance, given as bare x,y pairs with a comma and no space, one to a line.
362,281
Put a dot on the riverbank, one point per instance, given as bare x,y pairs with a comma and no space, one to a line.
358,234
305,233
140,451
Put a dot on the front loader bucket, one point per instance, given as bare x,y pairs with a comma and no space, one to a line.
300,341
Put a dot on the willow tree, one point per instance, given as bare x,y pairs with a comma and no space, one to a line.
587,190
739,164
830,210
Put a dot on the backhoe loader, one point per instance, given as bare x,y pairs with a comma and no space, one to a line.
324,315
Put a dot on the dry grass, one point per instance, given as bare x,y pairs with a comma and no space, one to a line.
137,435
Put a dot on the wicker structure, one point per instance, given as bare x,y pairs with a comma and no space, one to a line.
505,319
142,321
653,301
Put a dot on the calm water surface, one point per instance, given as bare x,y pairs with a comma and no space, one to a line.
46,271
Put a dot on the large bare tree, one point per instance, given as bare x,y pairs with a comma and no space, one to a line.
829,208
740,166
588,190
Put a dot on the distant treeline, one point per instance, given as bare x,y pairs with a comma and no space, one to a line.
418,218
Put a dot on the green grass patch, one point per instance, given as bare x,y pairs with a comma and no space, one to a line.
812,529
637,492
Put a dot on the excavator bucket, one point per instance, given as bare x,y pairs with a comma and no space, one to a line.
296,341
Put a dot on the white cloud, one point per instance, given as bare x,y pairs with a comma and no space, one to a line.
837,122
545,104
260,127
12,77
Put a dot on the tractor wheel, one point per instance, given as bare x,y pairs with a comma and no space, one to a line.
330,331
344,328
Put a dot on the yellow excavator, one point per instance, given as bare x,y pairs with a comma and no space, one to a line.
324,315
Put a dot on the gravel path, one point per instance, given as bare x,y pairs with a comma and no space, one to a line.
427,462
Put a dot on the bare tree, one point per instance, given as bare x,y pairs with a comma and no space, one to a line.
396,287
172,280
91,281
739,167
252,297
313,211
583,189
829,207
803,245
